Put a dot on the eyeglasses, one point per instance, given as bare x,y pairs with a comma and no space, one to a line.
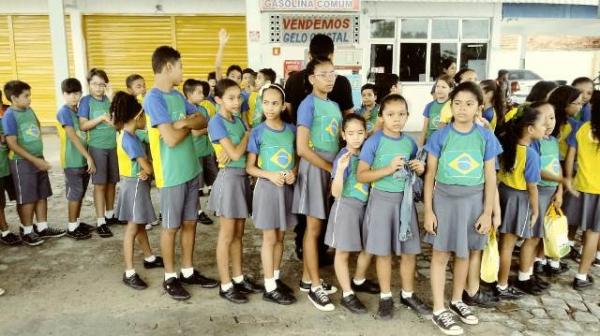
326,75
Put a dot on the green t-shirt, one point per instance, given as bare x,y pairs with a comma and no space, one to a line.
549,155
25,125
4,168
275,148
372,120
323,118
172,165
104,135
202,143
70,157
433,111
352,188
219,128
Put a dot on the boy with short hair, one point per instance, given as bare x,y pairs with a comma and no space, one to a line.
194,93
369,108
27,164
74,157
171,119
264,78
136,85
248,81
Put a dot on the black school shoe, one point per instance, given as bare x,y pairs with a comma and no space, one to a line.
541,283
175,290
538,268
529,286
49,232
386,309
10,239
278,296
248,286
510,293
367,286
233,295
198,279
85,226
583,284
480,299
104,231
31,239
114,220
79,234
157,263
417,305
204,219
134,282
283,287
353,304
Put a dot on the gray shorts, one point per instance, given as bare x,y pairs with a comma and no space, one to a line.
107,166
209,170
31,184
76,183
179,203
6,187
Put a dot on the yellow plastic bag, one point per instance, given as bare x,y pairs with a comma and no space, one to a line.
556,240
490,261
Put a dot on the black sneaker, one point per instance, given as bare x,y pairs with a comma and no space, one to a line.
31,239
85,226
320,300
596,262
175,290
283,287
79,234
248,286
538,268
233,295
10,239
417,305
353,304
541,283
134,282
367,286
480,299
583,284
204,219
529,286
278,296
447,324
104,231
198,279
114,220
510,293
157,263
464,313
386,309
574,254
329,288
49,232
554,271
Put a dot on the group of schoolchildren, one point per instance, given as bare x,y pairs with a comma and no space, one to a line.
484,168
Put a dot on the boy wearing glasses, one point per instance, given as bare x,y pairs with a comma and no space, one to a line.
94,118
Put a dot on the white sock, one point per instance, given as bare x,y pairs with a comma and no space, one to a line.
238,279
358,282
502,287
346,294
385,295
306,282
406,295
78,220
100,221
5,233
151,258
583,277
170,275
455,302
276,274
72,226
41,226
581,249
109,213
187,272
540,260
27,229
226,287
598,255
571,243
314,289
200,212
555,263
129,273
438,312
270,284
524,276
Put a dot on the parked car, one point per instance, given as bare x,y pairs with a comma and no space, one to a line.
521,82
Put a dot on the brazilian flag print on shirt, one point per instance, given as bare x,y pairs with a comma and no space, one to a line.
323,118
274,148
26,127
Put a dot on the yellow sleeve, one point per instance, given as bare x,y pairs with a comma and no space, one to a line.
510,114
446,114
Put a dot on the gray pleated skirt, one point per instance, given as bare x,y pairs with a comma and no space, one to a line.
545,195
345,224
457,209
572,208
231,194
133,202
585,212
272,206
311,192
381,226
516,214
